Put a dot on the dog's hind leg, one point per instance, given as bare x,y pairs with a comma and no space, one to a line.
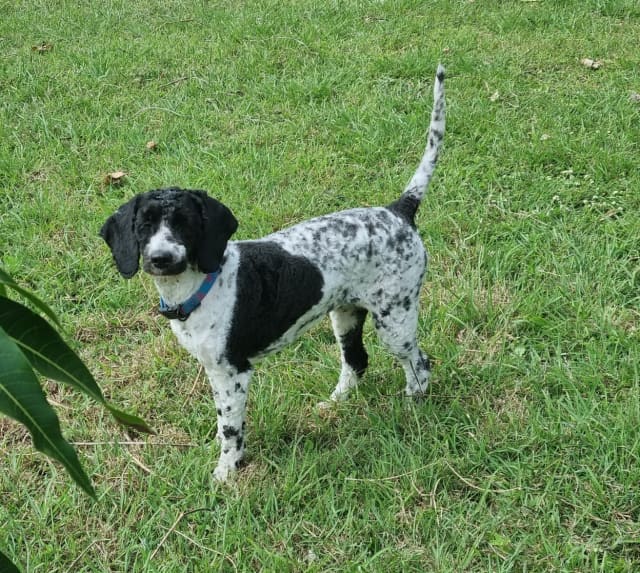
397,331
347,324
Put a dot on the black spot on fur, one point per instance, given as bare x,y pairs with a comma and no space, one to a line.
377,321
219,412
229,431
239,442
371,228
423,364
406,302
351,342
350,230
405,208
274,289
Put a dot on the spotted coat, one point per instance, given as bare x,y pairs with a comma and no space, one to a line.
271,290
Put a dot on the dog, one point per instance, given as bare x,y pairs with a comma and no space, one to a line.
231,303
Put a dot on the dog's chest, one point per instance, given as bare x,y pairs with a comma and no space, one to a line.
203,335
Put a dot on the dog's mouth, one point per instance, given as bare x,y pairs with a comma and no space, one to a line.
164,266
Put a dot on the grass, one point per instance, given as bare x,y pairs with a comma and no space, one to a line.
524,457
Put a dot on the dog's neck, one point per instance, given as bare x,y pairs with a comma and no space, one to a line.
176,289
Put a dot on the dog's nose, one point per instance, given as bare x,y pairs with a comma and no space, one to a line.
162,260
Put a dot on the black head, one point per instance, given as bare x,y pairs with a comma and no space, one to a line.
172,229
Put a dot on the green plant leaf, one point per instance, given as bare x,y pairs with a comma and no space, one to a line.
6,566
22,399
129,419
53,358
6,280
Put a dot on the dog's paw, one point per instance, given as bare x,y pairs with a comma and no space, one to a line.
223,473
325,405
327,410
415,399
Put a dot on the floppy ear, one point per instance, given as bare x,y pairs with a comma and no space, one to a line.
119,234
218,224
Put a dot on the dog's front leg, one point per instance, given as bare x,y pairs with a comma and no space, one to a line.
230,389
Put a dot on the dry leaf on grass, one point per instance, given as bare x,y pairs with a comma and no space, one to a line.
115,178
42,48
591,64
495,96
635,97
151,145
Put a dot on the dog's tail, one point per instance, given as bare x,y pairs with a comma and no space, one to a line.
410,199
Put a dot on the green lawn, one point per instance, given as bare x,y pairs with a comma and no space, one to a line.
525,456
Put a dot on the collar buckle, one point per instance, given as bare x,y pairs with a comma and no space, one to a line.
174,313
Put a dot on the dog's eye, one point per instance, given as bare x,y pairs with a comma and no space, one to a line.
178,220
148,218
144,222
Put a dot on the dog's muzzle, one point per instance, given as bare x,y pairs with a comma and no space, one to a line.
164,263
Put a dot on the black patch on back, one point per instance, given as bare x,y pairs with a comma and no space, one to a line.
274,289
405,208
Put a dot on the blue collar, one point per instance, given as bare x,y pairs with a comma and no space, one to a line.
183,311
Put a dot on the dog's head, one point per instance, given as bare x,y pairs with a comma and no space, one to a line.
172,229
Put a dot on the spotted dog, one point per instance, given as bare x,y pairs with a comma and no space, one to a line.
230,303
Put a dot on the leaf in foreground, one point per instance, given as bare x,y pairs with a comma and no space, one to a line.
22,399
6,566
7,281
53,358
